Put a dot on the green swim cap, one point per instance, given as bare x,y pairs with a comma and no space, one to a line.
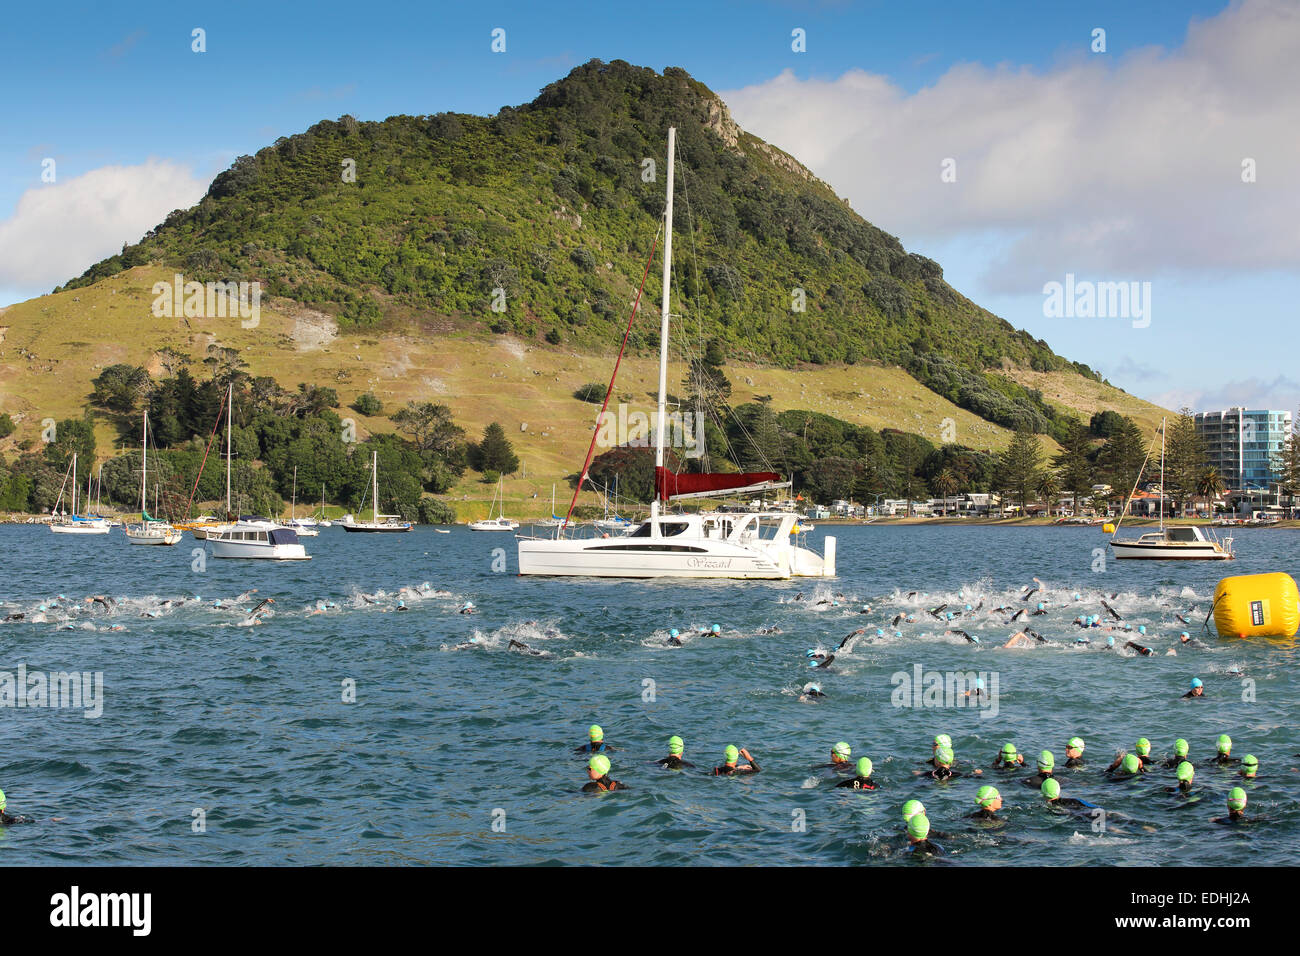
918,828
1180,747
1051,788
600,764
842,749
864,766
675,745
911,808
2,801
1186,771
986,796
1250,765
943,756
943,740
1225,744
1143,747
1075,743
1009,750
732,754
1046,761
596,734
1131,763
1237,799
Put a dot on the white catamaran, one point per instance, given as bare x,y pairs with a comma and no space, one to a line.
1178,542
705,545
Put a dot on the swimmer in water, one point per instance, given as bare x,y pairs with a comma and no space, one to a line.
674,759
1186,774
1143,754
1008,758
851,634
840,755
897,618
940,740
935,611
8,820
1180,755
466,608
918,837
1025,638
1046,764
1224,757
810,693
525,649
674,637
1249,766
862,779
978,691
1034,590
1074,748
1126,767
957,632
1111,611
943,758
1197,689
990,802
773,629
1039,610
822,661
730,766
595,742
1236,808
1015,617
713,631
598,776
1186,640
1144,651
1051,790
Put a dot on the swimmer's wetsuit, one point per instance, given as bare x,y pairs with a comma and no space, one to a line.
673,763
982,814
1074,762
603,784
1144,651
858,783
1172,762
600,748
1190,695
942,773
926,847
725,771
1070,803
1036,781
1223,760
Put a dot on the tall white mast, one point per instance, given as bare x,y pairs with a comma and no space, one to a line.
1162,475
663,330
144,466
230,404
74,484
374,491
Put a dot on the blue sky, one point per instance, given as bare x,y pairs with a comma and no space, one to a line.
94,87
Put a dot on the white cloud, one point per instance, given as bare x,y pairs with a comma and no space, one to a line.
1280,393
1105,166
59,230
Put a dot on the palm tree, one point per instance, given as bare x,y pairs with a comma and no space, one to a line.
1209,485
1048,487
946,484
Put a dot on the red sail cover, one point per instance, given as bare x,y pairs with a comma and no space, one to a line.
669,484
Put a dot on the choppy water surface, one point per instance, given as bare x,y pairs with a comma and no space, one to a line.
453,730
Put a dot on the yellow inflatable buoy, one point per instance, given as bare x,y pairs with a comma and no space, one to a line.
1108,528
1257,605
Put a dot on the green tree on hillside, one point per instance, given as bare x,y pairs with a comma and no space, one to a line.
1021,466
1185,458
494,452
1073,468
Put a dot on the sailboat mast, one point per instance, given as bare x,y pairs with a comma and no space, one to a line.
663,328
144,466
74,484
374,491
293,508
230,403
1162,475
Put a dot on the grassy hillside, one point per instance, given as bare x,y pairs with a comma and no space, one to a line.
53,346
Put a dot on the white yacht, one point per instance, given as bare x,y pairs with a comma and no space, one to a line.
150,530
378,523
74,523
707,545
1177,542
254,537
500,522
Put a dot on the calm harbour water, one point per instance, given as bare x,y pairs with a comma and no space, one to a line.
446,738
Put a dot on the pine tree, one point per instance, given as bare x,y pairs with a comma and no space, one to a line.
1185,458
1073,468
495,452
1021,464
1121,458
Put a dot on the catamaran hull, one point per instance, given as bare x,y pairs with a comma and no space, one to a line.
601,558
1167,552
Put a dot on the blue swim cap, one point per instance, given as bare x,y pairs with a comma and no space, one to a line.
1110,642
716,629
1196,682
1184,635
813,663
898,634
1128,627
879,632
968,607
816,687
1075,596
979,683
1142,628
975,639
811,652
1041,605
673,633
948,615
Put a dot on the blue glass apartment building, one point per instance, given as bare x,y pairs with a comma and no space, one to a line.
1243,444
